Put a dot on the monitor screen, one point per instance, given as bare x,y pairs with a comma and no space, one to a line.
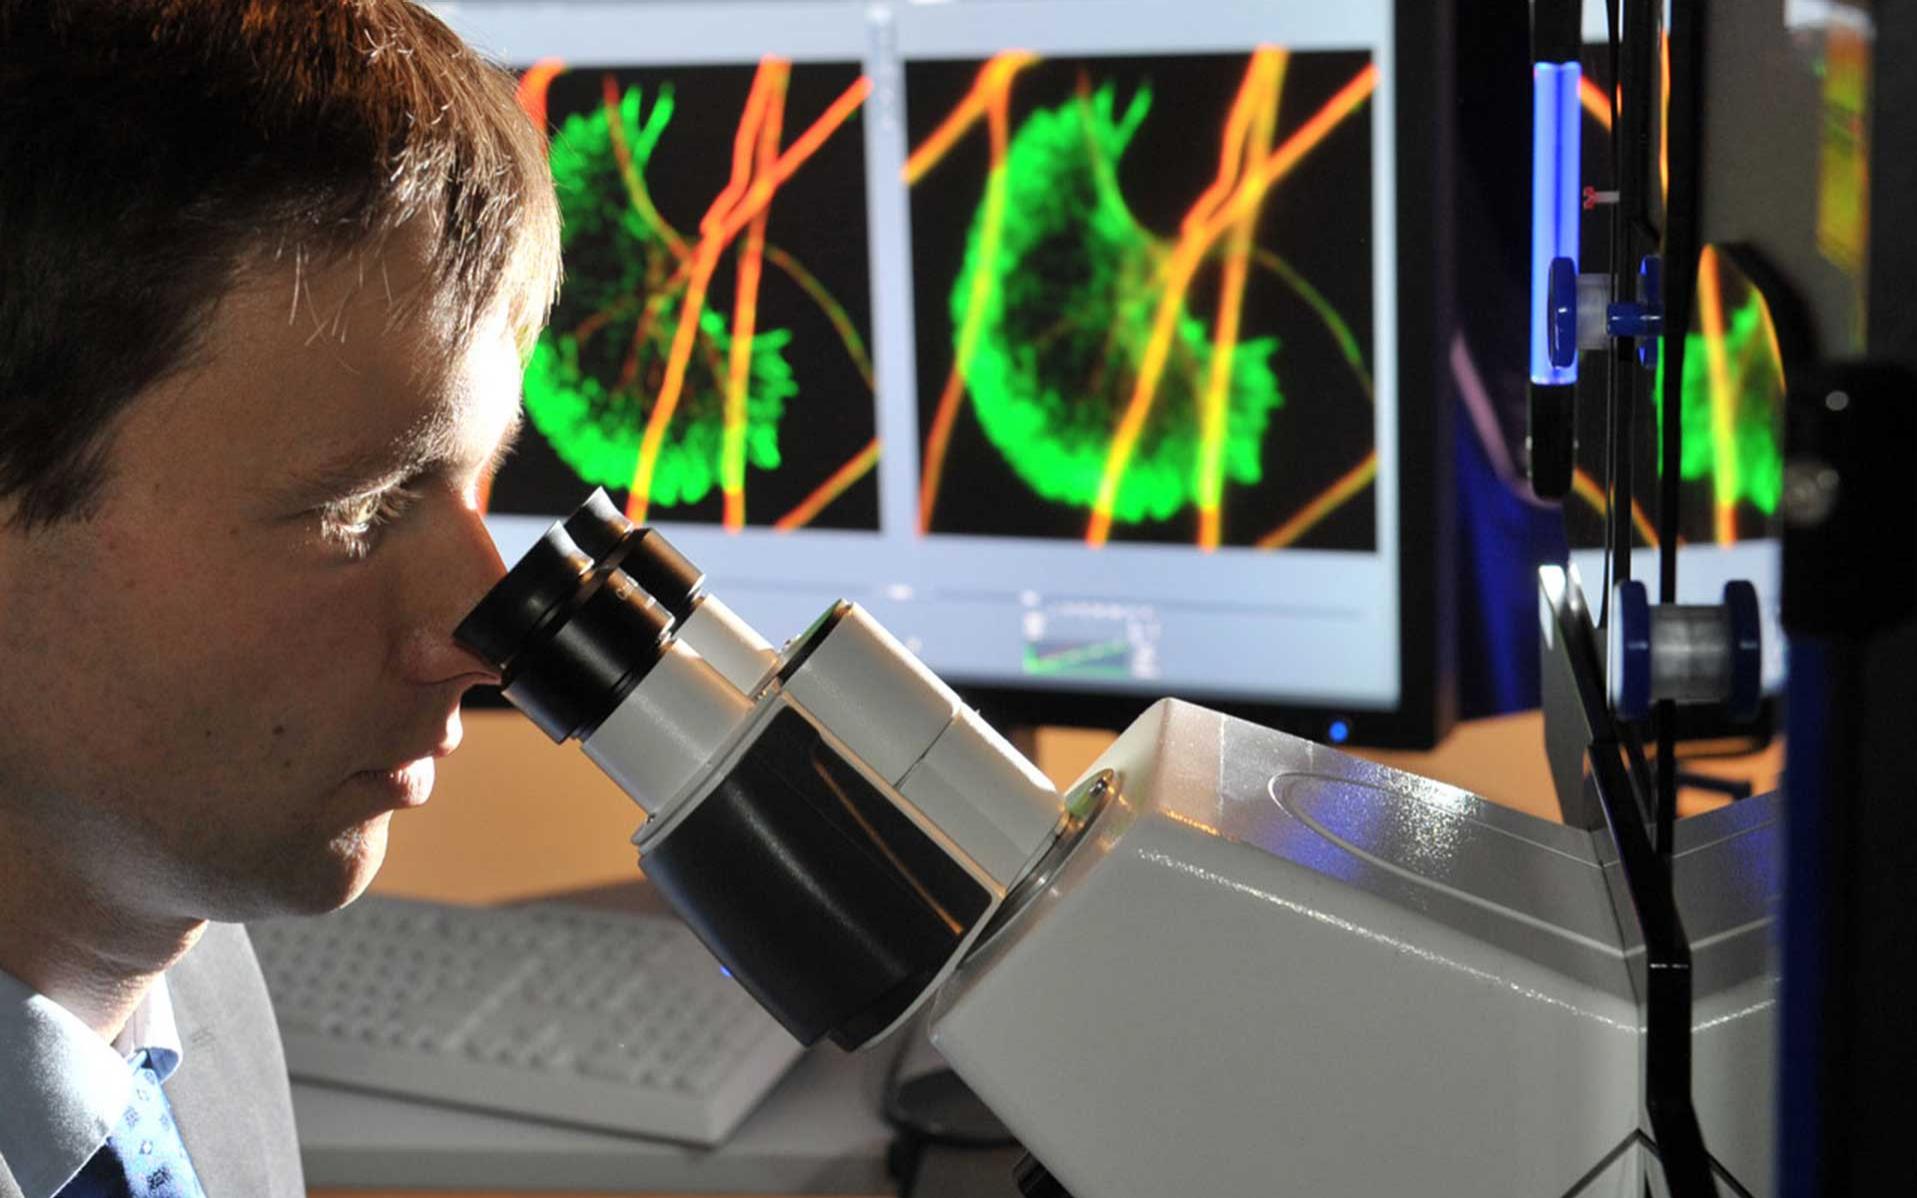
1064,337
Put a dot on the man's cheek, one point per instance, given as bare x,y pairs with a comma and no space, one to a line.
302,639
249,706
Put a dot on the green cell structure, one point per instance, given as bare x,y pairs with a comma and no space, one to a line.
1067,314
592,378
1756,385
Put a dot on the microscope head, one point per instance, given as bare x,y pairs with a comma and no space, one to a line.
835,824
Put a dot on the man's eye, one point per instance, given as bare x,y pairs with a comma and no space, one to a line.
355,523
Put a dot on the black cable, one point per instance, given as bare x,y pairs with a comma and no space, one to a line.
1616,457
1637,1137
901,1118
1681,243
1717,1166
888,1095
904,1155
915,1131
1724,1175
1596,1171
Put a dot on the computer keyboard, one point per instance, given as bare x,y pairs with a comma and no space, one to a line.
557,1012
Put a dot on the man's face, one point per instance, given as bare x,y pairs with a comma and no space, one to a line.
218,689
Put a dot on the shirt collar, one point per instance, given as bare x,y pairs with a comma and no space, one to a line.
152,1030
62,1087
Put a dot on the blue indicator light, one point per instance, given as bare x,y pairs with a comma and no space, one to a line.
1556,126
724,970
1339,732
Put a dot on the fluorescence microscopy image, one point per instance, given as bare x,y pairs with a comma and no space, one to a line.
1731,409
1143,292
1731,460
708,359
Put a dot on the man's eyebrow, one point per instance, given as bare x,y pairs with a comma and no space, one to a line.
364,471
417,450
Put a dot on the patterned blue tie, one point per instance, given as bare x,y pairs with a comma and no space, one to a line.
143,1156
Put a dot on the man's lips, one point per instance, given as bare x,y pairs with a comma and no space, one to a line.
409,776
407,785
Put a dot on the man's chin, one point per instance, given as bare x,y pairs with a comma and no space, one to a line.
313,882
357,855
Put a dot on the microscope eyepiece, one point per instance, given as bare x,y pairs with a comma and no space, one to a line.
521,604
570,637
571,679
598,527
666,574
603,532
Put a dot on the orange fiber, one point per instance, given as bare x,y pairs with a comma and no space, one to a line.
1587,488
1257,106
704,261
830,489
533,86
745,319
997,106
1710,311
1328,501
994,78
1198,232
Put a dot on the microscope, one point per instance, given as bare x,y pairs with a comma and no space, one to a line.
1226,961
1229,961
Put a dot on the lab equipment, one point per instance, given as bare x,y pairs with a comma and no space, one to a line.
1747,237
549,1010
1668,248
1556,128
1332,945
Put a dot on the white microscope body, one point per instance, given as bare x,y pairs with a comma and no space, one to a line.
1272,968
1227,962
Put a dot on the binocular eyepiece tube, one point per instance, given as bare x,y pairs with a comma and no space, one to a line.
832,821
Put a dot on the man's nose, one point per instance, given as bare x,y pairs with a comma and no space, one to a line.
454,576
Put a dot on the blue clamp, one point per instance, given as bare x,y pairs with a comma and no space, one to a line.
1561,316
1634,320
1628,660
1642,319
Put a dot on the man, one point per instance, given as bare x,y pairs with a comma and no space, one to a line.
267,270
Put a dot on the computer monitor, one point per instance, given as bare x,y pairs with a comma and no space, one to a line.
1091,346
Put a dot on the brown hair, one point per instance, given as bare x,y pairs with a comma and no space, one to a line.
151,151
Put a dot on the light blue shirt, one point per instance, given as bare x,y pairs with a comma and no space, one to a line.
62,1087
